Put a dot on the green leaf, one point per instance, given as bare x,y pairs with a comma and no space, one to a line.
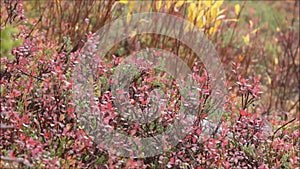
8,42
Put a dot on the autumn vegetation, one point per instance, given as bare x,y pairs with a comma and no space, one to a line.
258,45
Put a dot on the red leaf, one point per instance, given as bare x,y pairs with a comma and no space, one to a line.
194,139
109,106
25,119
172,160
243,113
198,131
133,131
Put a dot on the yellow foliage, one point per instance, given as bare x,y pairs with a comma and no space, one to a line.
232,20
237,9
247,39
123,1
276,60
168,4
130,8
179,4
251,23
200,20
158,5
269,80
128,17
205,15
212,30
131,5
208,3
255,30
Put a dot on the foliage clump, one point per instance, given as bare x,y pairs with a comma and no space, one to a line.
40,45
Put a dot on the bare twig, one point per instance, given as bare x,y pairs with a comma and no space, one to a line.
33,28
38,78
282,127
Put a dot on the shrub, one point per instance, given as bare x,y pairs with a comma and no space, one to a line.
40,125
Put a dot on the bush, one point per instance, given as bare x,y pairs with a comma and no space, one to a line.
40,125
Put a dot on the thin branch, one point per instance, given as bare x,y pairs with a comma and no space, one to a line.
38,78
282,127
32,29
